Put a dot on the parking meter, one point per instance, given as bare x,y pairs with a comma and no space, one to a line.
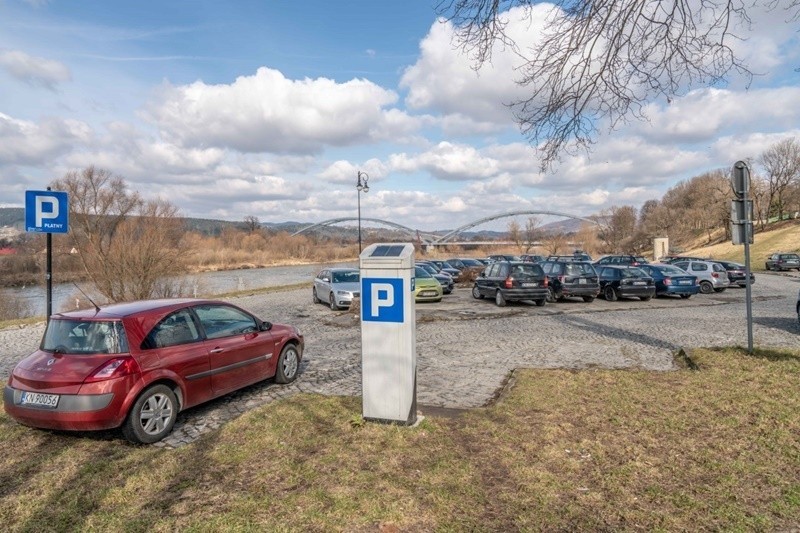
388,334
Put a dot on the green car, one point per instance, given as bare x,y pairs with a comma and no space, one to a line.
426,288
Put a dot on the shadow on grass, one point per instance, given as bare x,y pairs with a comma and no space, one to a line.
770,354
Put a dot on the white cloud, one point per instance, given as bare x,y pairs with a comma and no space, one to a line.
34,70
267,112
24,142
447,161
346,172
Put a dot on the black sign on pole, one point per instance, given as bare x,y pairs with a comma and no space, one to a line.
742,233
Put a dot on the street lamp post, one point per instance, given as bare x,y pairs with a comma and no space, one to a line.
361,185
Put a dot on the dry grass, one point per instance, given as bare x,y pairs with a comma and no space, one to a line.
717,448
782,237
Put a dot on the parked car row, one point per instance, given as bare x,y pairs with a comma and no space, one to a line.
557,279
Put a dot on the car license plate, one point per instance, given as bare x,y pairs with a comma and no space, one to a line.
428,293
582,281
528,284
39,399
640,283
684,282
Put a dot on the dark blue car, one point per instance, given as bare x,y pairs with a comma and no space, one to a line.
672,280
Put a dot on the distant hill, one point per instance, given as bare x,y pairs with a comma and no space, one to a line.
12,216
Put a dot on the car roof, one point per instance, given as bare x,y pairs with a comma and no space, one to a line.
122,310
343,269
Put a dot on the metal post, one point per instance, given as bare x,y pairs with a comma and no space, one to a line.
48,275
748,293
362,180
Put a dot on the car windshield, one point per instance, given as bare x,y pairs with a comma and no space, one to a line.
345,277
579,269
420,272
428,268
472,262
75,336
790,256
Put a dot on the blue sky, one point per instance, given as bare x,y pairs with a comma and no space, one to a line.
269,109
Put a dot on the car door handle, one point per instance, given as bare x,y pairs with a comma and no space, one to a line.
216,350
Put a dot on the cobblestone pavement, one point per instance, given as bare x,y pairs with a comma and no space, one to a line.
466,348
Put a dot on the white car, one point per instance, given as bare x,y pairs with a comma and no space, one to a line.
711,276
337,287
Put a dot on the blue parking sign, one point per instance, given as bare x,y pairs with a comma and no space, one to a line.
382,299
46,211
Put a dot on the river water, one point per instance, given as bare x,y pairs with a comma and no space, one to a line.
66,296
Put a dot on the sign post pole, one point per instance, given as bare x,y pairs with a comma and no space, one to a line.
742,226
47,212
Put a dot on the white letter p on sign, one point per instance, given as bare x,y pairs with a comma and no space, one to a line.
46,215
381,289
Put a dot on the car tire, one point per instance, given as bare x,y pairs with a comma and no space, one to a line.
610,294
152,416
476,293
645,298
332,302
766,267
685,296
540,302
588,299
288,364
720,290
706,287
314,295
551,295
499,299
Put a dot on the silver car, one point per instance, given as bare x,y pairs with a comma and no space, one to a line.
337,287
711,276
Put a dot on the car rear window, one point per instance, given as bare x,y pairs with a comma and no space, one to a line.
76,336
527,270
579,269
790,256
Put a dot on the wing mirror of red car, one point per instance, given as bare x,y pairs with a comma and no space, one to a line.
266,326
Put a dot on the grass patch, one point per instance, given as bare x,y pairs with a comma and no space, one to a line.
714,448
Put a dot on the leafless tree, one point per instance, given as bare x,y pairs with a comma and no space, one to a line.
619,229
555,242
532,232
605,59
515,235
251,224
128,247
781,163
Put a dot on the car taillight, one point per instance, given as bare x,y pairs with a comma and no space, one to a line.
509,283
544,284
715,274
116,368
667,281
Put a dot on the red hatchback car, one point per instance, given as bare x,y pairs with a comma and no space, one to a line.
138,364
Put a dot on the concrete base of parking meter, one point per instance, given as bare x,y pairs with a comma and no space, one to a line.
388,334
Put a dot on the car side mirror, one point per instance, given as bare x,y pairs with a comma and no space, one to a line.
266,326
326,280
483,274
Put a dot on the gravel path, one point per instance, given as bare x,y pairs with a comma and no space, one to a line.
467,347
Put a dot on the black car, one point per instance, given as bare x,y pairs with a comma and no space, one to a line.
633,260
532,258
576,256
445,267
571,279
502,257
736,273
625,282
782,261
507,281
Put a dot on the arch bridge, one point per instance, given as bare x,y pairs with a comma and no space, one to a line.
448,237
